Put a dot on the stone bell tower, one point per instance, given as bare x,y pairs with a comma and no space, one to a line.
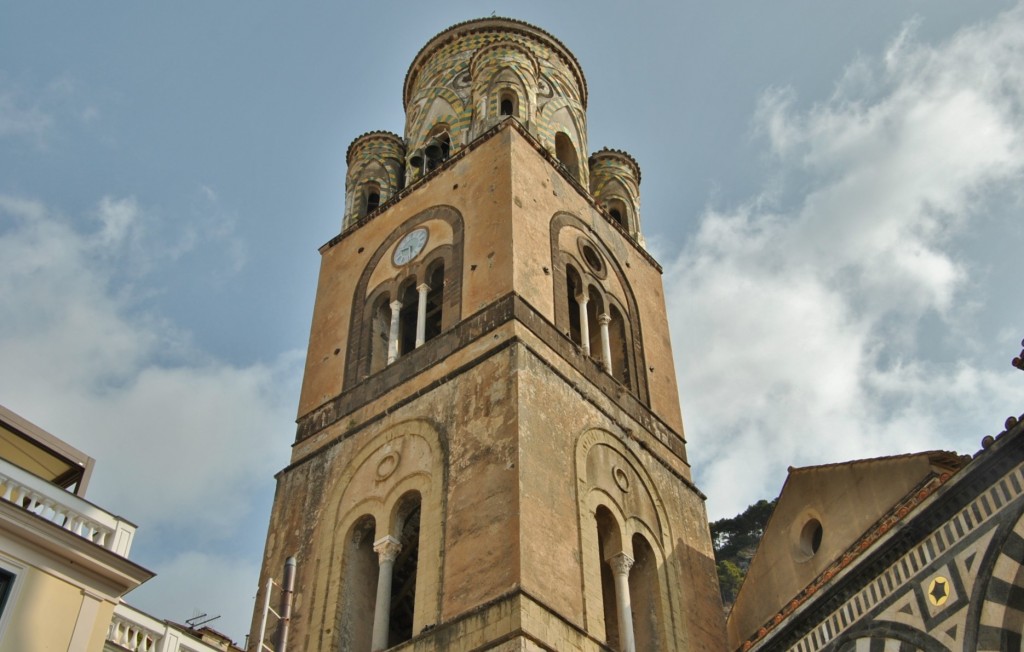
489,453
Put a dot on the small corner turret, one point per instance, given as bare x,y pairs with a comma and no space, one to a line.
615,185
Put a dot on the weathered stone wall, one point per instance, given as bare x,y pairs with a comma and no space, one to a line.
456,445
495,452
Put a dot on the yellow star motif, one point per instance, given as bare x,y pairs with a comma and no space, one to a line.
938,591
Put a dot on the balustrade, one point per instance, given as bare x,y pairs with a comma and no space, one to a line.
132,635
137,631
65,509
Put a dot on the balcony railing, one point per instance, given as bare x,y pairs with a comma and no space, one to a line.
67,510
133,630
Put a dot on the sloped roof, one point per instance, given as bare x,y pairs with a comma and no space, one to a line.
848,503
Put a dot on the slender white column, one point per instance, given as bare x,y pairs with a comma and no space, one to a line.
421,315
387,550
584,324
396,309
606,345
620,564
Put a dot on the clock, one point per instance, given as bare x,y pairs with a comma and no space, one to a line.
410,246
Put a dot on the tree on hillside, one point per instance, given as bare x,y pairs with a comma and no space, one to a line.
735,541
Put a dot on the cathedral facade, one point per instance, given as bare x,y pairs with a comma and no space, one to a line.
490,453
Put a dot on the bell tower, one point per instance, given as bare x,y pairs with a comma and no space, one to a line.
489,452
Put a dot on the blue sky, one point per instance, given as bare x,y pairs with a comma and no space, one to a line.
834,190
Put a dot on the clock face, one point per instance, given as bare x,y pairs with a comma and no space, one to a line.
410,246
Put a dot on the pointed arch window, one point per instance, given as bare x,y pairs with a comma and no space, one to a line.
508,103
618,212
566,154
371,198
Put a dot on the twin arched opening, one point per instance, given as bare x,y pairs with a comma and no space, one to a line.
624,538
378,585
631,589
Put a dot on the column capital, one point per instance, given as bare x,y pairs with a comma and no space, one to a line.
396,305
387,548
423,288
582,297
604,319
620,563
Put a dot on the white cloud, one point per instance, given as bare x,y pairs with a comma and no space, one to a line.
18,117
185,444
798,321
32,113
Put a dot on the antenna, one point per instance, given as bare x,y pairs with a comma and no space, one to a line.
197,621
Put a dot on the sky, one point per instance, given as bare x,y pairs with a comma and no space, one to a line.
834,191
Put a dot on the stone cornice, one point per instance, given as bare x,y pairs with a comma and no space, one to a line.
118,574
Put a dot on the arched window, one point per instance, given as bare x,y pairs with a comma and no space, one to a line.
435,301
407,317
565,152
609,544
508,104
418,270
618,212
595,308
403,581
359,577
574,288
380,327
437,149
645,596
591,310
619,346
397,328
371,193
